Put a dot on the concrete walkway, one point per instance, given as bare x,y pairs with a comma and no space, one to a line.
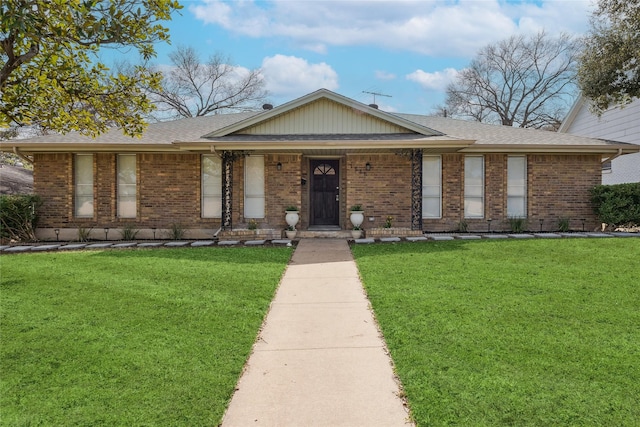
319,360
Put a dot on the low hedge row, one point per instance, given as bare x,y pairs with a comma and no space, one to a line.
617,204
19,217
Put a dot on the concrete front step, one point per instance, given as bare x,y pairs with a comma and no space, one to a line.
327,234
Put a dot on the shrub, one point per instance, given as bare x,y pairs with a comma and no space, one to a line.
19,216
517,224
84,234
563,224
617,204
129,232
176,231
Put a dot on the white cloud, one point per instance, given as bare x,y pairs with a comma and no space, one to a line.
436,81
452,28
383,75
290,76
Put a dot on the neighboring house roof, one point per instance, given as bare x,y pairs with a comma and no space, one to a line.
324,121
15,180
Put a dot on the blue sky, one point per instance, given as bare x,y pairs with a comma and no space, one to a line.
409,50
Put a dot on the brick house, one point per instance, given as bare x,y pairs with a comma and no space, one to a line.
322,153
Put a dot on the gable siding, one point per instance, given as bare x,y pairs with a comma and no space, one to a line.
324,117
617,124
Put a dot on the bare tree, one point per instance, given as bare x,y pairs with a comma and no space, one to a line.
190,88
520,81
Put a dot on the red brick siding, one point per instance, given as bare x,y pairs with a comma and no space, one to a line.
53,181
382,191
558,186
169,190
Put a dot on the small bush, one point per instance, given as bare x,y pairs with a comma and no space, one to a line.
129,232
19,217
517,224
563,224
617,204
84,234
176,231
463,226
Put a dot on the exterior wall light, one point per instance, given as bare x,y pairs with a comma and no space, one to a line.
279,166
368,166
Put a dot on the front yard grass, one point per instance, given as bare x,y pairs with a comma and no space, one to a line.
511,333
144,337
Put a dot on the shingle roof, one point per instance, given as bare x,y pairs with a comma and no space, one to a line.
194,133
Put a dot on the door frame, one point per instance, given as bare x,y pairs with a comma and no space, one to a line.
313,162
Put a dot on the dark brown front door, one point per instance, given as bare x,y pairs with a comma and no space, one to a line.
325,185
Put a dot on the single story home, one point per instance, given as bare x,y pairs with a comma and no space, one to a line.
322,153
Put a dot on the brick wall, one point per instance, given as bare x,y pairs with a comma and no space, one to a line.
559,187
384,190
53,181
169,191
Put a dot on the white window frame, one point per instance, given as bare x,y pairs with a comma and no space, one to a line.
211,187
517,186
127,191
254,187
83,188
473,192
432,189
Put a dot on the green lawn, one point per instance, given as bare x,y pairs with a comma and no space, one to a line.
129,338
512,333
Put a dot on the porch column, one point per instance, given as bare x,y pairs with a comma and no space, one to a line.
416,189
227,188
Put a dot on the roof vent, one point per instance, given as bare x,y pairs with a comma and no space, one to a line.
373,106
267,107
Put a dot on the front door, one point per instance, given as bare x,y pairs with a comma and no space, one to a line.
325,190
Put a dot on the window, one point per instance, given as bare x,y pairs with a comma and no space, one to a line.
254,187
473,187
431,187
211,187
127,185
83,178
517,186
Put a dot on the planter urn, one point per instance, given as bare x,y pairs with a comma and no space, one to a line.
292,218
357,218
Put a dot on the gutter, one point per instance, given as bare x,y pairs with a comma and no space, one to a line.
17,152
614,156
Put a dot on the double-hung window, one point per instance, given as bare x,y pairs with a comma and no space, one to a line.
211,186
474,187
516,186
127,184
254,187
431,187
83,180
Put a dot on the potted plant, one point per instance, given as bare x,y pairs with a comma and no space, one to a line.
356,232
292,216
290,232
357,216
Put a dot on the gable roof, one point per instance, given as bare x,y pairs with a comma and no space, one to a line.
321,121
323,112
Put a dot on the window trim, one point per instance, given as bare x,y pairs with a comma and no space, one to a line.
215,196
257,195
482,185
438,185
524,188
120,185
77,185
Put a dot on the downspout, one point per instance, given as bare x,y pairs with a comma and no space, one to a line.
22,156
